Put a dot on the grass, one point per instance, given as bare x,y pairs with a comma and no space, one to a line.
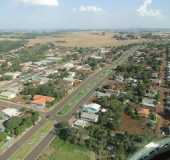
23,151
60,150
80,94
2,146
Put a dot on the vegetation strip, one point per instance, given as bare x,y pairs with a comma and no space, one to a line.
31,143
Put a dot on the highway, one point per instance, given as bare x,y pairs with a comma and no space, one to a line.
52,114
41,147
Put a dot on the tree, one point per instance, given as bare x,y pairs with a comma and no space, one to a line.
12,124
2,137
34,117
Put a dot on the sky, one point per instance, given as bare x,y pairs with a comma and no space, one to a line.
83,14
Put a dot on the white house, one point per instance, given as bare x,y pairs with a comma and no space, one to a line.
8,95
149,102
11,112
90,117
80,123
91,108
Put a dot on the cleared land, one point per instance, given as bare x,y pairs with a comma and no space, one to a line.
82,39
60,150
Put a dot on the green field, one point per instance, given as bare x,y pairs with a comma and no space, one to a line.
23,151
60,150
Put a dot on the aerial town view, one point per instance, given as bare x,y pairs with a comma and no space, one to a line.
84,80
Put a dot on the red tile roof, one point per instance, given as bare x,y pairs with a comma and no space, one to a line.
42,100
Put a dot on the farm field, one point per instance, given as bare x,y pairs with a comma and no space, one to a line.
82,39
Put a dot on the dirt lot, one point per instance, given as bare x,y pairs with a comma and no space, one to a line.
133,126
82,39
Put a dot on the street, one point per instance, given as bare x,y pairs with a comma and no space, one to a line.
52,114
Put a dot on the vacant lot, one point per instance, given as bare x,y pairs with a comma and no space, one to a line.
133,126
60,150
82,39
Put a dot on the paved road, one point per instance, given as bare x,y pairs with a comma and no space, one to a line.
8,104
21,141
41,147
6,155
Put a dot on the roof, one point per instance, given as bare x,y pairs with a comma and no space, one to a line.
89,117
11,112
42,100
81,123
149,102
144,112
102,94
93,107
8,94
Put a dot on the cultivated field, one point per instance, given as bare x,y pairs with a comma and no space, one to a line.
82,39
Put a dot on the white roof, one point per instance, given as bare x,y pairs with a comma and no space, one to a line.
8,94
81,123
11,112
94,106
69,65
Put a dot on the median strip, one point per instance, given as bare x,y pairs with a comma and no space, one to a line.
31,143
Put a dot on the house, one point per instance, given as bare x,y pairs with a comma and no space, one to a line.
39,101
143,112
149,102
90,117
69,66
80,123
7,95
155,75
99,94
11,112
91,108
151,93
119,78
96,57
70,77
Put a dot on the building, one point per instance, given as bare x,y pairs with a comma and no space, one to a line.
90,117
99,94
91,108
149,102
80,123
68,66
11,112
7,95
143,112
39,101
